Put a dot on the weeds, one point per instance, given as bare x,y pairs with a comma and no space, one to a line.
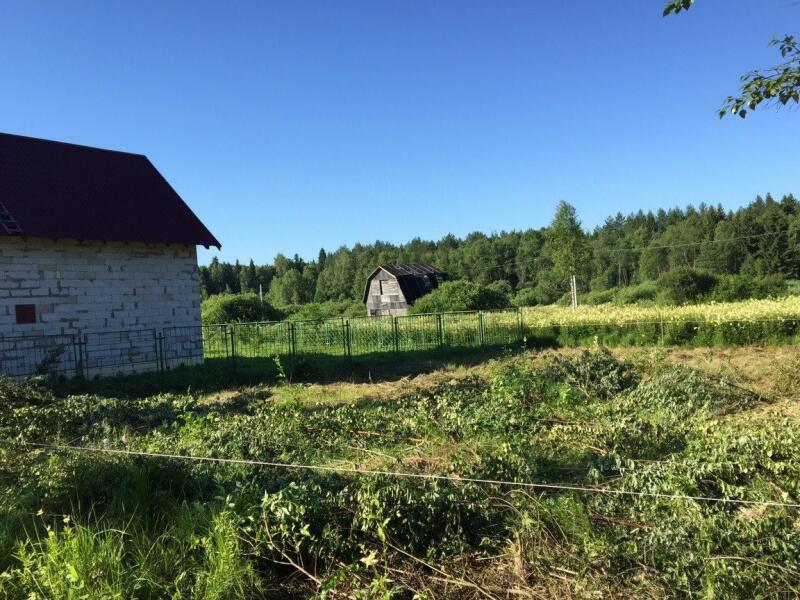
93,526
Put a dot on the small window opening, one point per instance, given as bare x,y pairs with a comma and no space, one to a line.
26,314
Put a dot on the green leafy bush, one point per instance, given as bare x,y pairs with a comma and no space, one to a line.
730,288
526,297
237,308
600,297
636,294
324,310
462,295
684,285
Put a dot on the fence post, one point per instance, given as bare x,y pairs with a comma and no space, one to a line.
155,349
440,327
292,339
77,354
481,334
395,334
233,346
520,332
85,347
348,339
161,351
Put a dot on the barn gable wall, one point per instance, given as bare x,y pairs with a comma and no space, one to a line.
99,288
385,296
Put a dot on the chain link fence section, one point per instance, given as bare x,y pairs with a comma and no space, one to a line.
121,352
186,346
368,335
325,336
40,355
260,340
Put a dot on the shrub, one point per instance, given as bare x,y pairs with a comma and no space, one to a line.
594,298
684,285
644,292
526,297
501,286
237,308
324,310
461,295
731,288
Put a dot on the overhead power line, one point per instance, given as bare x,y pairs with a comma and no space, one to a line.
405,474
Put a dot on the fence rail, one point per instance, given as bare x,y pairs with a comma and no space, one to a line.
149,350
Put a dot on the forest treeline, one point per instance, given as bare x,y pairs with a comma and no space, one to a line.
759,240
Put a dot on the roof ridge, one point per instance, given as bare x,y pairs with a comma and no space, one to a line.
73,144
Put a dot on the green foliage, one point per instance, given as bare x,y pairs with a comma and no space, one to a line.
95,526
596,374
293,285
684,285
595,298
225,572
676,6
779,84
237,308
627,251
726,288
324,310
529,297
460,296
730,288
566,247
644,292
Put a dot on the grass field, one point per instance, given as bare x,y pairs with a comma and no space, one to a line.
716,423
787,308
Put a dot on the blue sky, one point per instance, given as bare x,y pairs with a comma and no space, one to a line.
293,125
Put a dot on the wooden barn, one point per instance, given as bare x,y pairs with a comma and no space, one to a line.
391,289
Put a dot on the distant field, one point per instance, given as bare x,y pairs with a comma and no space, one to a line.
750,322
787,308
753,322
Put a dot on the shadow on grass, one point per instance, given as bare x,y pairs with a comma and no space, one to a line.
224,373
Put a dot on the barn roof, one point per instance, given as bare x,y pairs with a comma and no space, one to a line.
59,190
415,280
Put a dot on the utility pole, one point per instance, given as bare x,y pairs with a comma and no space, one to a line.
573,290
261,293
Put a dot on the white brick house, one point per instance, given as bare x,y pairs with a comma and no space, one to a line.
98,262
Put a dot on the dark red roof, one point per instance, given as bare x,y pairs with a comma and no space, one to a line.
58,190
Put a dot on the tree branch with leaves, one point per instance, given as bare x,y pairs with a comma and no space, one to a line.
778,85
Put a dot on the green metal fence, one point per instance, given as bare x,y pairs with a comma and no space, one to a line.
362,336
358,337
349,338
235,345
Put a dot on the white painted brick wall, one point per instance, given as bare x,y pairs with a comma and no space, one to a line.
98,290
